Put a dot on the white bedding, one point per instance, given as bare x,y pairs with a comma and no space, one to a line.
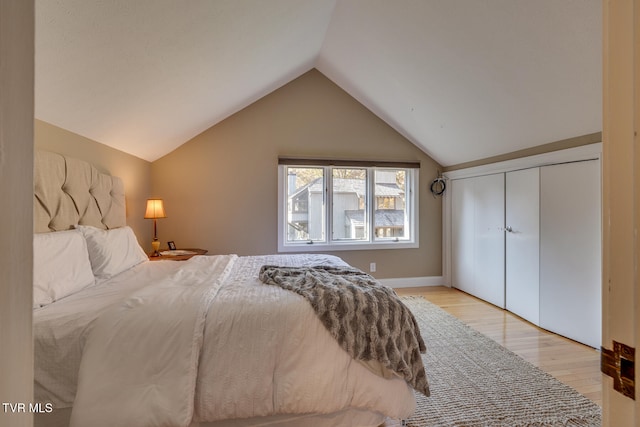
264,351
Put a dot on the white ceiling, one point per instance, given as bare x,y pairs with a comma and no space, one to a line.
461,79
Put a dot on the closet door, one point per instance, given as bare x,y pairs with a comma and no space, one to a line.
477,244
570,251
489,238
522,263
462,235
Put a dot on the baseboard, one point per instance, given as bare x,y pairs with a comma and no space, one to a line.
413,282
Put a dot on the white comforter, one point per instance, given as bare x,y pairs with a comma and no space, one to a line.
257,350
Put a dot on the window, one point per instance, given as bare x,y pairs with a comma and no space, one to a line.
305,204
346,206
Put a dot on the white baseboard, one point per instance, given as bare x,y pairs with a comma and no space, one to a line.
413,282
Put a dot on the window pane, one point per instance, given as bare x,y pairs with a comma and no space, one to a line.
368,207
349,204
390,207
305,204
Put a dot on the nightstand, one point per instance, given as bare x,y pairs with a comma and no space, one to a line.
182,257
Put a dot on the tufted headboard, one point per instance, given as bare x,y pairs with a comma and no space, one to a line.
69,191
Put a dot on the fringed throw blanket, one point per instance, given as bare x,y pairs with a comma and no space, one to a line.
366,318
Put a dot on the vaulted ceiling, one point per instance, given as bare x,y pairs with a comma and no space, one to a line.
461,79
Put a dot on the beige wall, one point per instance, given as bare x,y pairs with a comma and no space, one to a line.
578,141
220,188
16,212
135,172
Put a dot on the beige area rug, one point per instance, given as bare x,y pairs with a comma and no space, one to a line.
476,382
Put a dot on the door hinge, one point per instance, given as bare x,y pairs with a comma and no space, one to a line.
619,364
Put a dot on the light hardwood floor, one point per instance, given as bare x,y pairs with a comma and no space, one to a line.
572,363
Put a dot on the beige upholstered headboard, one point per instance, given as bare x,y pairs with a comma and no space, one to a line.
69,191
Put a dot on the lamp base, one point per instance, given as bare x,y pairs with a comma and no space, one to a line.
155,244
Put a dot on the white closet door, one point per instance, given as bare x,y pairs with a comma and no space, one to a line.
522,193
570,251
462,235
489,238
477,245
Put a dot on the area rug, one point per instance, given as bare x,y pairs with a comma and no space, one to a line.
475,382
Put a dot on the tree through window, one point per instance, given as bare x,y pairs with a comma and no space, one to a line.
336,206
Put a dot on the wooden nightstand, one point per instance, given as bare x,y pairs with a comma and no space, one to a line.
178,257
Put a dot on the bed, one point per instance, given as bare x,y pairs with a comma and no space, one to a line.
198,343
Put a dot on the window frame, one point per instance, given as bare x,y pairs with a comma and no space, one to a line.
372,242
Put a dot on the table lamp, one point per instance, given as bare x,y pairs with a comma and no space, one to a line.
155,210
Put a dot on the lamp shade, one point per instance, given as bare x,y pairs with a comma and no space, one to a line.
155,209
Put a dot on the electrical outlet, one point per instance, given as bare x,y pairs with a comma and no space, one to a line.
372,267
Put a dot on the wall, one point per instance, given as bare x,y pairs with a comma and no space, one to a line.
578,141
134,171
16,212
220,188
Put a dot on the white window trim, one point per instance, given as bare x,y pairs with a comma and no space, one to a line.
331,246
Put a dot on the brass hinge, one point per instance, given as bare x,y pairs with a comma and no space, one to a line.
619,364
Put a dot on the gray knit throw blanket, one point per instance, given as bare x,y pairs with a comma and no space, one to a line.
366,318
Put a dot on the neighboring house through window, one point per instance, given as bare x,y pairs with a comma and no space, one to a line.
354,205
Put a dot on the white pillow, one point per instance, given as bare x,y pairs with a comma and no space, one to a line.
112,251
60,266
